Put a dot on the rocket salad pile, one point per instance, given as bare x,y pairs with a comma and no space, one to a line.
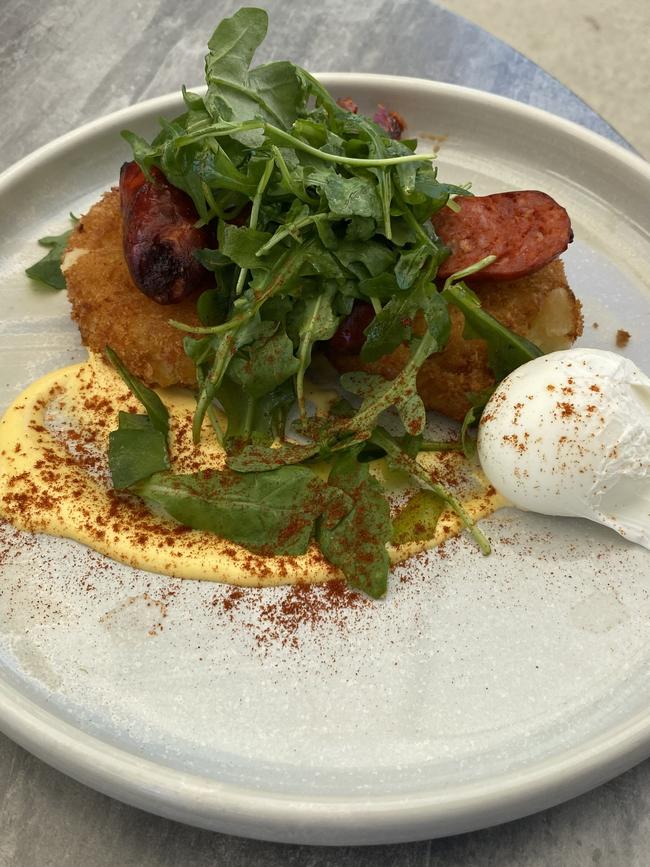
313,208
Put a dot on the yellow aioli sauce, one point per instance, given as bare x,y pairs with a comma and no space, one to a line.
54,479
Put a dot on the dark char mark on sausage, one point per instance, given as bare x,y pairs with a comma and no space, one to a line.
160,238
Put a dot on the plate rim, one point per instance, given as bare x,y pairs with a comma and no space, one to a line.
327,819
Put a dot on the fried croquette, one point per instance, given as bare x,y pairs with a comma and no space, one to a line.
111,311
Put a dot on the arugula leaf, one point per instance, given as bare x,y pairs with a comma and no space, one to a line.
360,229
135,452
391,327
134,421
364,259
234,42
48,269
212,306
477,401
138,447
260,370
410,264
259,459
214,166
272,512
357,543
261,419
356,196
317,321
144,153
418,519
332,435
379,149
382,287
240,245
242,328
406,401
213,260
506,350
273,92
401,460
396,322
156,409
379,395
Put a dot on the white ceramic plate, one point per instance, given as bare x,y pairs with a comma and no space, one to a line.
480,690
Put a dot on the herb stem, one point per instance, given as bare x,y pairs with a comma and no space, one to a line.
413,223
303,354
216,426
288,180
290,228
466,272
385,181
210,385
255,212
363,162
248,421
257,201
218,130
274,132
212,413
441,446
203,329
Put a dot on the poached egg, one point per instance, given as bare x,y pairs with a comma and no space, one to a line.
568,434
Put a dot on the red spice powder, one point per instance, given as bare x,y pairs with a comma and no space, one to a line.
566,409
300,605
622,338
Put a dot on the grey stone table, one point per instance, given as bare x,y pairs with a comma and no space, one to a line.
64,63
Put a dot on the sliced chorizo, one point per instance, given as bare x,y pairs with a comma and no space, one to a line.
160,237
349,337
525,230
391,121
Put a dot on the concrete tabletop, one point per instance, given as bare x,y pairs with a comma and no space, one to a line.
65,63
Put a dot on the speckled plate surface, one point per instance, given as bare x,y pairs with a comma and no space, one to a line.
481,689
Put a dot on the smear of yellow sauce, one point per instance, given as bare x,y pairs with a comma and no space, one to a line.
54,479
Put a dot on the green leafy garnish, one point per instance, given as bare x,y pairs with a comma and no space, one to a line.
418,519
135,452
357,543
314,209
506,350
477,401
48,269
138,448
272,512
156,410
